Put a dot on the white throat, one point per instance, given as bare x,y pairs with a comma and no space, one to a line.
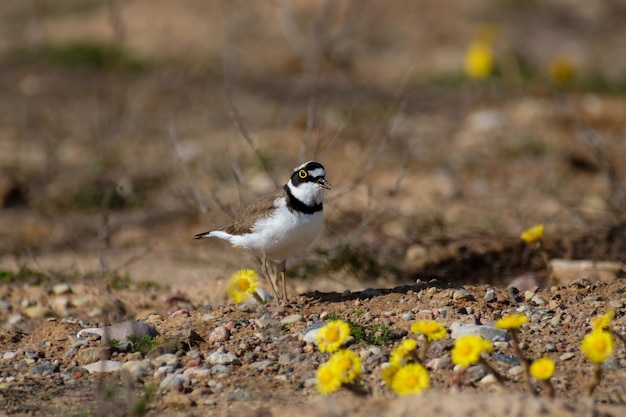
310,193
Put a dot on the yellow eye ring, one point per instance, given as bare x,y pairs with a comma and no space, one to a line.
302,174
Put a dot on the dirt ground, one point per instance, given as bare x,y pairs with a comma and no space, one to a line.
128,127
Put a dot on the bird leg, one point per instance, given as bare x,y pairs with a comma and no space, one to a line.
281,271
268,278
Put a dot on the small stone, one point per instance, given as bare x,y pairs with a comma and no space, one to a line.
490,295
44,367
261,365
424,315
173,382
566,356
538,300
370,293
137,369
103,366
165,359
407,317
219,334
93,354
201,374
487,332
528,295
285,359
208,317
62,288
439,363
476,373
38,312
462,294
220,370
616,303
291,319
8,356
121,331
488,380
516,370
221,358
81,301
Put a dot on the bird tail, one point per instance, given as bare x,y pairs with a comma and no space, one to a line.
203,235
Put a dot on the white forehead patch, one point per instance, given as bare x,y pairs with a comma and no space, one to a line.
317,172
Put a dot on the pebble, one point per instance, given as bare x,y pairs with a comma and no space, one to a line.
261,365
285,359
567,356
137,369
439,363
516,370
370,293
198,373
616,303
93,354
462,294
121,331
487,332
538,300
292,319
221,358
62,288
219,334
488,380
490,295
103,366
45,367
173,382
38,312
9,355
165,359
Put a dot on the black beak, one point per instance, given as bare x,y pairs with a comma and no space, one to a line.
323,183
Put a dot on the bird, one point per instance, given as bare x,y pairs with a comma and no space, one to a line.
280,224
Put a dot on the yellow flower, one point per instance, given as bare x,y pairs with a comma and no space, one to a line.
512,321
533,234
388,371
542,368
332,336
327,379
478,63
467,350
562,71
347,364
242,284
410,379
400,356
429,328
597,345
603,322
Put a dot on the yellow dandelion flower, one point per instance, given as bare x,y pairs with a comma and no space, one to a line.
400,356
327,379
533,234
478,63
562,71
467,350
332,336
388,371
603,322
542,369
410,379
429,328
512,321
347,364
597,345
242,284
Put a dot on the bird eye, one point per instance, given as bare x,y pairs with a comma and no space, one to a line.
302,174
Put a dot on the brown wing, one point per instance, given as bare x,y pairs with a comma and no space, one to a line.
251,214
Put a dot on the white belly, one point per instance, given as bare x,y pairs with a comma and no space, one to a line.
280,236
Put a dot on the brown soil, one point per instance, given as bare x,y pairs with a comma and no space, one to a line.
109,164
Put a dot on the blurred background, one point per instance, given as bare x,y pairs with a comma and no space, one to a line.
446,128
